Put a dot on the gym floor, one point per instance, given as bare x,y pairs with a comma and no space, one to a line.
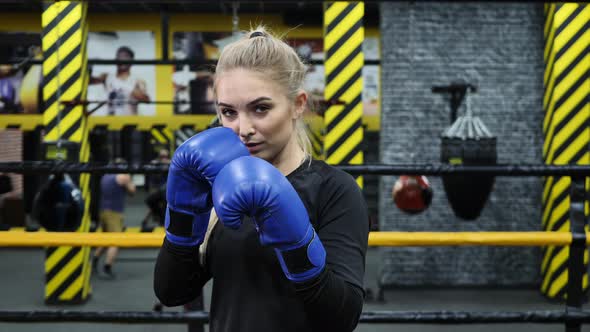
22,284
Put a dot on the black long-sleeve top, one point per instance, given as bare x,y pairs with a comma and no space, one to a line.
250,291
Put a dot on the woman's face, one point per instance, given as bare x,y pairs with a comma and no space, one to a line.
259,111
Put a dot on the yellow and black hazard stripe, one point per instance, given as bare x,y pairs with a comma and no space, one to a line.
184,133
343,40
85,225
565,127
63,42
316,140
314,125
64,35
27,122
161,136
63,273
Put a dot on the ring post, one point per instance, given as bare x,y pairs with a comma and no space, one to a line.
576,266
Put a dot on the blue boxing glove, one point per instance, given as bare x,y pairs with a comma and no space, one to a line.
192,170
251,186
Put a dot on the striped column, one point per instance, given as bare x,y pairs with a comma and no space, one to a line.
343,39
565,127
315,128
315,138
67,269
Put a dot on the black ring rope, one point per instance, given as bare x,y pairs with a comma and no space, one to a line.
48,167
371,317
152,62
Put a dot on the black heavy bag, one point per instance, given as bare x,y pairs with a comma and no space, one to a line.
58,206
5,184
468,142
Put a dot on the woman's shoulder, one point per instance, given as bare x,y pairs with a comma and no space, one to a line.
332,175
338,191
317,180
331,181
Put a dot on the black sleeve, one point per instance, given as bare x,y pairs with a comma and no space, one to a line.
334,300
178,276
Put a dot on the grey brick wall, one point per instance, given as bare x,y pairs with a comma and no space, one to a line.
499,47
11,146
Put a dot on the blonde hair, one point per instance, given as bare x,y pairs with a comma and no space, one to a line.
261,51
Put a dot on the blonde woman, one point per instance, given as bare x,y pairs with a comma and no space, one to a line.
288,251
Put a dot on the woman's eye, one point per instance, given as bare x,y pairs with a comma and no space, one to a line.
262,108
228,112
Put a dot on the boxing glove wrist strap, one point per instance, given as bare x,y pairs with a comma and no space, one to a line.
182,228
304,262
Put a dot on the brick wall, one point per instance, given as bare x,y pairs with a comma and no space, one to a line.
500,49
11,145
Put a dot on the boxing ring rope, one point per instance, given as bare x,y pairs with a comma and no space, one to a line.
162,62
369,317
48,167
376,239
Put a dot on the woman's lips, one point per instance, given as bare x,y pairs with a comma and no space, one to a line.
254,147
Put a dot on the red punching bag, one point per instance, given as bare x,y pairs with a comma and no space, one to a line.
412,193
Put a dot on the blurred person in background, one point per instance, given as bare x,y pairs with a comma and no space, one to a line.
113,188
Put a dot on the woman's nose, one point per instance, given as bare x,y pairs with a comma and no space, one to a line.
246,127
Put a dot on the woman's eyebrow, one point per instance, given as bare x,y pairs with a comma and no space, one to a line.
225,105
253,102
257,100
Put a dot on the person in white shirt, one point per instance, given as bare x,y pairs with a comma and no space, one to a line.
123,89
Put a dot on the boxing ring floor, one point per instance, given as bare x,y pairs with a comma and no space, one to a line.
22,283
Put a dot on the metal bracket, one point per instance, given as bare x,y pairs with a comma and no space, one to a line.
457,92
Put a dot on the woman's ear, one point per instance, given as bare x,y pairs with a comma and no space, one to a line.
300,104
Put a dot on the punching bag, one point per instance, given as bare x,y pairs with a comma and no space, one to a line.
412,193
58,206
468,142
5,184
